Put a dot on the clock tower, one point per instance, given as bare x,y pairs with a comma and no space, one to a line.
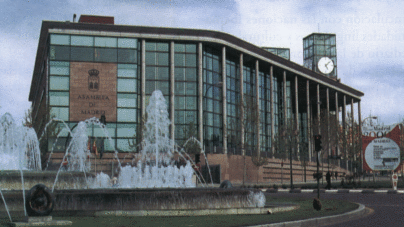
320,54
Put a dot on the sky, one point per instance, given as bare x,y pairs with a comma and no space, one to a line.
370,38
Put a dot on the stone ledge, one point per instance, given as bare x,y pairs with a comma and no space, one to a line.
264,210
41,223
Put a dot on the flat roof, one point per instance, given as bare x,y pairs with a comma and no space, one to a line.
198,35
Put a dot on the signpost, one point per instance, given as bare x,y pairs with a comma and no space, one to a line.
380,147
382,154
394,178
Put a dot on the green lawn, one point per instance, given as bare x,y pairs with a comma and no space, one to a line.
330,207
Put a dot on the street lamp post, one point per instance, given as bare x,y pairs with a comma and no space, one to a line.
371,117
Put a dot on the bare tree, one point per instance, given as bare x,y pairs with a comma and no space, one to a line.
351,141
287,142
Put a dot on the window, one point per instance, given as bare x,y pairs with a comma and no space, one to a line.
61,113
127,56
82,40
56,39
59,68
127,43
106,55
126,130
127,100
127,70
60,53
126,115
59,98
105,42
212,92
157,70
186,91
233,99
58,83
82,54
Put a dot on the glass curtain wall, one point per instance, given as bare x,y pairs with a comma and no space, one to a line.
250,109
212,98
275,93
265,113
64,49
157,69
186,92
233,106
59,83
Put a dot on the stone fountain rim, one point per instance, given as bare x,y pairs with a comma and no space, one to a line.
36,173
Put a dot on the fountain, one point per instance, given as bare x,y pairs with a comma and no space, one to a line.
156,167
19,146
157,182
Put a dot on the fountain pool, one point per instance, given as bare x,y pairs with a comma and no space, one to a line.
155,182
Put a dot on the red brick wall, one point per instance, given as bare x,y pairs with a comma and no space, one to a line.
232,169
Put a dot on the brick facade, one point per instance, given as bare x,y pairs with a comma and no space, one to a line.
86,103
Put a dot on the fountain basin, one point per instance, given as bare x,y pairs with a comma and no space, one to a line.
92,202
11,179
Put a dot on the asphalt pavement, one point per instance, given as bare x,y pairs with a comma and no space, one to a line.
380,209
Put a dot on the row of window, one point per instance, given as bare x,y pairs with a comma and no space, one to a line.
319,40
93,54
92,41
320,50
186,92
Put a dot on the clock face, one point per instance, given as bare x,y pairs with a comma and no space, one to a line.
325,65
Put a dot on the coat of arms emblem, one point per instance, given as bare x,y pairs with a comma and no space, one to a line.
93,80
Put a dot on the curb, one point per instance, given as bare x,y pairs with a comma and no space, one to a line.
334,219
364,191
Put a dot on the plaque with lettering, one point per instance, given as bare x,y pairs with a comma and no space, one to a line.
92,90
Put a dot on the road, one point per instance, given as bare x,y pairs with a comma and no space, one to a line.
388,209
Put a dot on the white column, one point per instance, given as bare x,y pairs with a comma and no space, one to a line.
224,100
241,104
172,91
143,79
257,95
337,123
200,93
344,125
297,123
352,129
328,122
271,77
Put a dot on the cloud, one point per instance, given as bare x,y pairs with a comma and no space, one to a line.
370,38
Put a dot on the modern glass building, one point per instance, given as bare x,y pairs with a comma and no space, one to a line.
234,96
